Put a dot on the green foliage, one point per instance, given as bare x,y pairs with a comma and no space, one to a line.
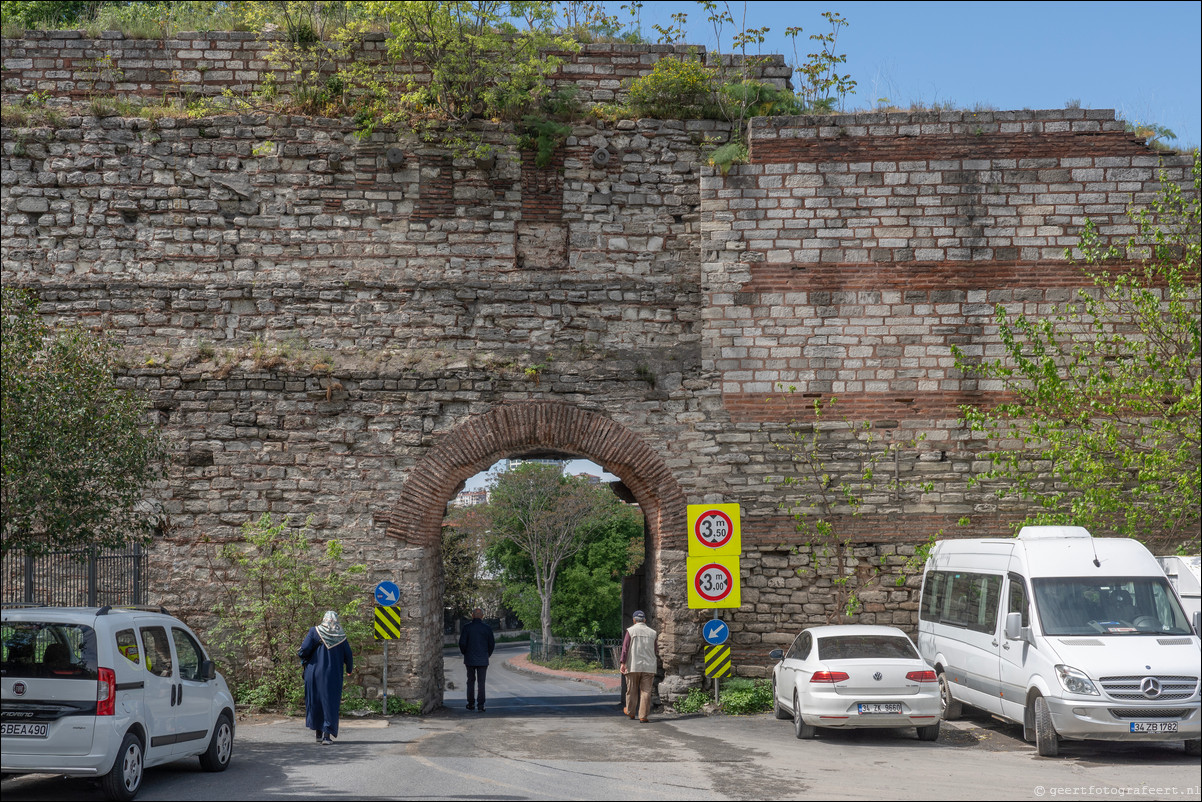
545,136
821,82
676,88
1103,431
353,700
741,697
727,155
1157,135
77,451
462,557
273,588
561,548
34,13
692,702
570,662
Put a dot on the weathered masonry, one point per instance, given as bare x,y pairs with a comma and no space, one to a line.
349,329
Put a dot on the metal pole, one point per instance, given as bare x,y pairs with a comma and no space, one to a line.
384,709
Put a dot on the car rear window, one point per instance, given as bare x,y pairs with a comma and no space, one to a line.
857,647
46,649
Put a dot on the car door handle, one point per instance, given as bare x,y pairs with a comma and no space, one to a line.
1006,646
995,641
179,697
173,696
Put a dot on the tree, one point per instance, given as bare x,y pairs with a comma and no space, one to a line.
587,601
1103,427
77,451
546,515
463,534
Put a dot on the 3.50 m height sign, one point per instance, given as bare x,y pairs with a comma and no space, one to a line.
714,530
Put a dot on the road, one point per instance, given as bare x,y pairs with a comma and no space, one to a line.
557,739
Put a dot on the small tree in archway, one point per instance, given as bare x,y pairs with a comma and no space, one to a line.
546,515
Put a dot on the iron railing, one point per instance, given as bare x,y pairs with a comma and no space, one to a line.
76,577
604,652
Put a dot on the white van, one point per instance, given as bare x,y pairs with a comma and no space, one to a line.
1072,636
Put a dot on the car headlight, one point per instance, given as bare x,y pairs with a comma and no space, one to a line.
1075,681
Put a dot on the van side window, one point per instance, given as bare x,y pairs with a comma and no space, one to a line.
127,646
158,651
962,599
1018,599
932,596
189,653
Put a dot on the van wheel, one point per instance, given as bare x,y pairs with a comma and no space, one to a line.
949,707
1193,747
221,746
802,730
929,733
1047,742
777,710
125,778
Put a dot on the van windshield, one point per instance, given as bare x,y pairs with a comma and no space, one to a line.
1109,606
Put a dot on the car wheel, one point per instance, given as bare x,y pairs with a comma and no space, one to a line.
949,707
777,710
802,730
1047,743
1193,747
125,778
929,733
221,746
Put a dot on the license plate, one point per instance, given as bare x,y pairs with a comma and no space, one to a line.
879,708
1153,726
25,730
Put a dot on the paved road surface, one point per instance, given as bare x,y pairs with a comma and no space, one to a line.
557,739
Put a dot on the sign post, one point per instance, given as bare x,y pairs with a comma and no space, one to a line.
387,625
715,545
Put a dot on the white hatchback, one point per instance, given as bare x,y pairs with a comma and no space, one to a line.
855,676
108,692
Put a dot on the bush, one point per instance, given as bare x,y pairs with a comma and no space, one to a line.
692,702
352,700
674,89
273,589
740,697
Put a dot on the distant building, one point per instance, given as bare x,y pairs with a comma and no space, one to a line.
471,498
589,478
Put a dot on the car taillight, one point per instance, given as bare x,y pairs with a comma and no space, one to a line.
922,676
828,676
106,692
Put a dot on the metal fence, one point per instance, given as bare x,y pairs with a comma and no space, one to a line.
76,578
604,652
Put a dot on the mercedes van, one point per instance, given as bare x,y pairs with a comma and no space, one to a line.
1071,636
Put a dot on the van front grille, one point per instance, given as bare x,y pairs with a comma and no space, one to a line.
1132,687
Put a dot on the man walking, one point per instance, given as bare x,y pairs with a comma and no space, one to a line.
640,649
476,642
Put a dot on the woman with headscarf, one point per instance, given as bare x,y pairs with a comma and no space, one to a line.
324,654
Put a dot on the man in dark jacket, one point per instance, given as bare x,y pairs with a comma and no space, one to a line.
476,641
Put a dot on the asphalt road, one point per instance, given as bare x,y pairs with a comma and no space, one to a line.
558,739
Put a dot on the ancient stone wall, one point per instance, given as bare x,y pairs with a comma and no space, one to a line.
348,329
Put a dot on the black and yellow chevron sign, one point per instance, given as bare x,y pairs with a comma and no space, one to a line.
717,661
388,623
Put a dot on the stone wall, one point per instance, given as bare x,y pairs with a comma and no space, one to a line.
326,329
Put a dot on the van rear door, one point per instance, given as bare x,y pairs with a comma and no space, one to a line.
48,691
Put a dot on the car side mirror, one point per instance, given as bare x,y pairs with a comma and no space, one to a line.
1198,622
1014,626
777,654
208,670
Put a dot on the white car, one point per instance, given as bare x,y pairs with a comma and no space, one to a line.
855,676
106,693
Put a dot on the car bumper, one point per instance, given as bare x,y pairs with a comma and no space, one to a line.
1079,720
834,710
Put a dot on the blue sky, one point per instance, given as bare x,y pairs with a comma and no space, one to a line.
1142,59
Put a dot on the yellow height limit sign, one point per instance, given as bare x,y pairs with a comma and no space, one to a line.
714,530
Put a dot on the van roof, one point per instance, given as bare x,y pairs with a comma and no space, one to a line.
1047,556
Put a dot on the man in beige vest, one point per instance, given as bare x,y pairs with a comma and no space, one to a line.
640,650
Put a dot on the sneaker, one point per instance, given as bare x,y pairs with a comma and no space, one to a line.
326,741
319,737
481,708
471,707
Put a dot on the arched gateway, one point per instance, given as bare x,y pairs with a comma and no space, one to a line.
516,429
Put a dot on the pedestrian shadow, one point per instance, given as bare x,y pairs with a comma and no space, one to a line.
604,704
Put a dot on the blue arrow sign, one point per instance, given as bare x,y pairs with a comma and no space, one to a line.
715,632
387,594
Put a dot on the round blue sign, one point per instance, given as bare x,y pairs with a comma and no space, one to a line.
387,594
715,632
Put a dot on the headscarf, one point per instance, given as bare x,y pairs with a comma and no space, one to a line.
330,630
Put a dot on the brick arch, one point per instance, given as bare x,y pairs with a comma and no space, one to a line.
513,428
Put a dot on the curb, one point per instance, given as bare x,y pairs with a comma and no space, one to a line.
550,673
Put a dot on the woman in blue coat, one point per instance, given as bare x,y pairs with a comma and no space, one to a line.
324,654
